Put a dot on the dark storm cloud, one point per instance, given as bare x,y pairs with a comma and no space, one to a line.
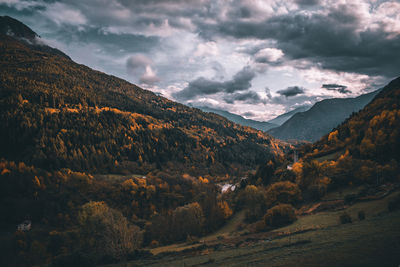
332,40
241,81
296,101
307,2
248,114
155,12
110,42
336,87
291,91
249,97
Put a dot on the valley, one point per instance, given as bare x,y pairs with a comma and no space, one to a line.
97,171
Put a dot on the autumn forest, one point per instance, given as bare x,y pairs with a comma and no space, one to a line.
107,172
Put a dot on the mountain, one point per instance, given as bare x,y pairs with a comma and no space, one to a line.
364,149
361,151
259,125
56,113
372,134
281,119
321,118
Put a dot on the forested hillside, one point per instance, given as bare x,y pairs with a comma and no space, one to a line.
369,141
363,150
56,113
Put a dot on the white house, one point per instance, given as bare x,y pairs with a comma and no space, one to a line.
25,226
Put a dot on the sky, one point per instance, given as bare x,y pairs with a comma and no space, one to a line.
255,58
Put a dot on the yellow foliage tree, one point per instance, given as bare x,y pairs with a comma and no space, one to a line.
333,137
226,211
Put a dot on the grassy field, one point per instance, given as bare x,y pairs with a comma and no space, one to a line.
313,240
331,156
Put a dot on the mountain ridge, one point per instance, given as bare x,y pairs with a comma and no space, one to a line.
321,118
259,125
281,119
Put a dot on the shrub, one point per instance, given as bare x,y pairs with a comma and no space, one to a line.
314,192
283,192
345,218
280,215
361,215
188,220
105,232
254,199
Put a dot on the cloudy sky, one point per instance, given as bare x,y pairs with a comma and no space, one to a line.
257,58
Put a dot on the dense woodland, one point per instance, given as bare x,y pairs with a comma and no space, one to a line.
64,125
155,210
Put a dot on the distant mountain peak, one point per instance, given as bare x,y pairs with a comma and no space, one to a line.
14,28
259,125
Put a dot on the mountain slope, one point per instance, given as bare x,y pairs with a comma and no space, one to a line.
321,118
281,119
364,149
373,133
259,125
56,113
